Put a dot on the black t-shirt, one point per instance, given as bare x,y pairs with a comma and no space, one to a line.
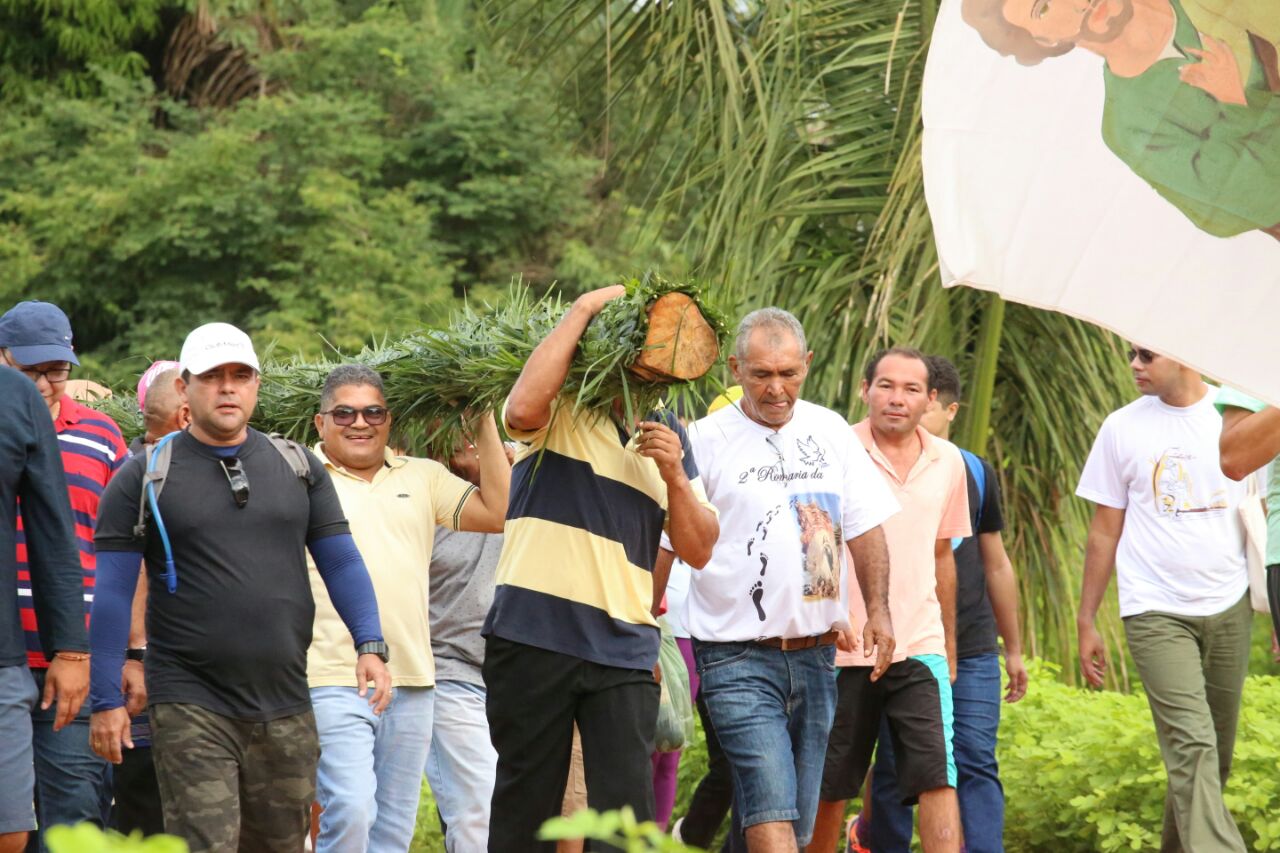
234,637
975,621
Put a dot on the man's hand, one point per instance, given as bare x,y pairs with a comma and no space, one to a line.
847,641
877,637
1217,72
371,668
67,682
660,443
1017,671
594,301
1093,655
134,686
107,731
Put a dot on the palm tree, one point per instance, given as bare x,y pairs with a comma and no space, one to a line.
780,140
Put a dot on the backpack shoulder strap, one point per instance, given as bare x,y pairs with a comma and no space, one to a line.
155,469
974,463
295,454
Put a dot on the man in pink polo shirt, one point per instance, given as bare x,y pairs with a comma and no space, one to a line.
927,476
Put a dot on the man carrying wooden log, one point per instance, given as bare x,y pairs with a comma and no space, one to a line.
570,636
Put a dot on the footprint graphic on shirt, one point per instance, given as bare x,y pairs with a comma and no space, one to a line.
764,563
750,542
757,593
764,535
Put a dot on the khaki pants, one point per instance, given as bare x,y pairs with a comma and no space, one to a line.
1193,670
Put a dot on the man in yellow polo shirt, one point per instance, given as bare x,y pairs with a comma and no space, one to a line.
570,636
370,770
927,476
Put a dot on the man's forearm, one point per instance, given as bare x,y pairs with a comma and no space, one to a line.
693,529
1099,560
944,569
870,555
529,407
1002,589
661,574
138,613
116,582
495,473
347,581
1248,441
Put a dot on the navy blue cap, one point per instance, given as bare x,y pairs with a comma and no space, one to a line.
37,332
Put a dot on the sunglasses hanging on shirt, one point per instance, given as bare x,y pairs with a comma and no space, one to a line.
233,467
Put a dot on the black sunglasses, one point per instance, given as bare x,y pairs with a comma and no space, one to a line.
1146,356
346,416
234,469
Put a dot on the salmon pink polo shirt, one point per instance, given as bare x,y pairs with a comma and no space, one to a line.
935,505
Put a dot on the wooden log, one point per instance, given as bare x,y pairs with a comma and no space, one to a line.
680,345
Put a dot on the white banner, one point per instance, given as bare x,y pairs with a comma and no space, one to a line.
1119,161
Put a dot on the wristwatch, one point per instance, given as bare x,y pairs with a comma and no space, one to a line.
375,647
136,654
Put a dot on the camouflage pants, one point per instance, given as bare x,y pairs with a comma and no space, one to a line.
230,785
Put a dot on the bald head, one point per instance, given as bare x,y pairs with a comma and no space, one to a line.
165,410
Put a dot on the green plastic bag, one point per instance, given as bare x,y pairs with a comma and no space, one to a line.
675,706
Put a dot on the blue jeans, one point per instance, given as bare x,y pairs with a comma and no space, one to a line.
72,783
370,773
976,698
461,765
772,711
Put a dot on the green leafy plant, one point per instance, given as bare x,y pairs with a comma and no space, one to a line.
619,828
433,377
87,838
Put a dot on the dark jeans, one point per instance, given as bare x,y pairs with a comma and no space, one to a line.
137,793
714,795
72,783
976,698
534,696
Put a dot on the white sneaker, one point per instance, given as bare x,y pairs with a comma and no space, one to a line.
675,830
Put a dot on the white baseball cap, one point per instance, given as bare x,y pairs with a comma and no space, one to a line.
215,344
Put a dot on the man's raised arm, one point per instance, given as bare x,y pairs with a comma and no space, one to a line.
529,406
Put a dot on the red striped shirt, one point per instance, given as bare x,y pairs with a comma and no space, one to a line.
92,451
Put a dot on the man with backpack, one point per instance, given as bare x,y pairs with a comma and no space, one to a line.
986,604
222,514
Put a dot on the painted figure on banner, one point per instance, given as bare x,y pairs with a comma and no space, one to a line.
1192,93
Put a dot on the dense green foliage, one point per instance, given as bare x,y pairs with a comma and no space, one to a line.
87,838
1081,771
396,167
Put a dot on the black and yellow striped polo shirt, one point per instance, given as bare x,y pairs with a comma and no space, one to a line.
583,524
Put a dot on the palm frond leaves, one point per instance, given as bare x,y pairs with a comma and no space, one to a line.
782,141
433,377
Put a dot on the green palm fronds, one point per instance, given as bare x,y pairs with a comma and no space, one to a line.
433,376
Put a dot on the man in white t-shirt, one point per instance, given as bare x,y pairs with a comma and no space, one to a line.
793,486
1168,521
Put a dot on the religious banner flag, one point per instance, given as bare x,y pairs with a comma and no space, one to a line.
1119,161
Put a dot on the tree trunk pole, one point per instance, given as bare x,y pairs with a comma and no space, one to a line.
987,359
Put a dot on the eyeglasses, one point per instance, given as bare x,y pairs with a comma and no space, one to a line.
54,375
346,415
239,481
1146,356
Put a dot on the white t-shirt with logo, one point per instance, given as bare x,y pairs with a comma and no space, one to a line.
1182,548
788,501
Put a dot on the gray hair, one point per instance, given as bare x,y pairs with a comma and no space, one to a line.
769,317
348,374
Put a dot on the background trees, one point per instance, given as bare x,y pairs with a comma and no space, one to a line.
331,172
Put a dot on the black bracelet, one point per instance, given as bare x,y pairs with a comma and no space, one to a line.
136,654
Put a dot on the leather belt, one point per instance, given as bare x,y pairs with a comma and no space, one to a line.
788,644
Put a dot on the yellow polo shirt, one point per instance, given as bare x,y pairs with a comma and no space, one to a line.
393,519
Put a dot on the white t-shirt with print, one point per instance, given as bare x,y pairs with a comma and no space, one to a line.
788,501
1182,548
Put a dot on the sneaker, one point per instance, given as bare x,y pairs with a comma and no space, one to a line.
675,830
852,845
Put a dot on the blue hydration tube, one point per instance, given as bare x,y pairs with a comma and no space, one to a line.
170,571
